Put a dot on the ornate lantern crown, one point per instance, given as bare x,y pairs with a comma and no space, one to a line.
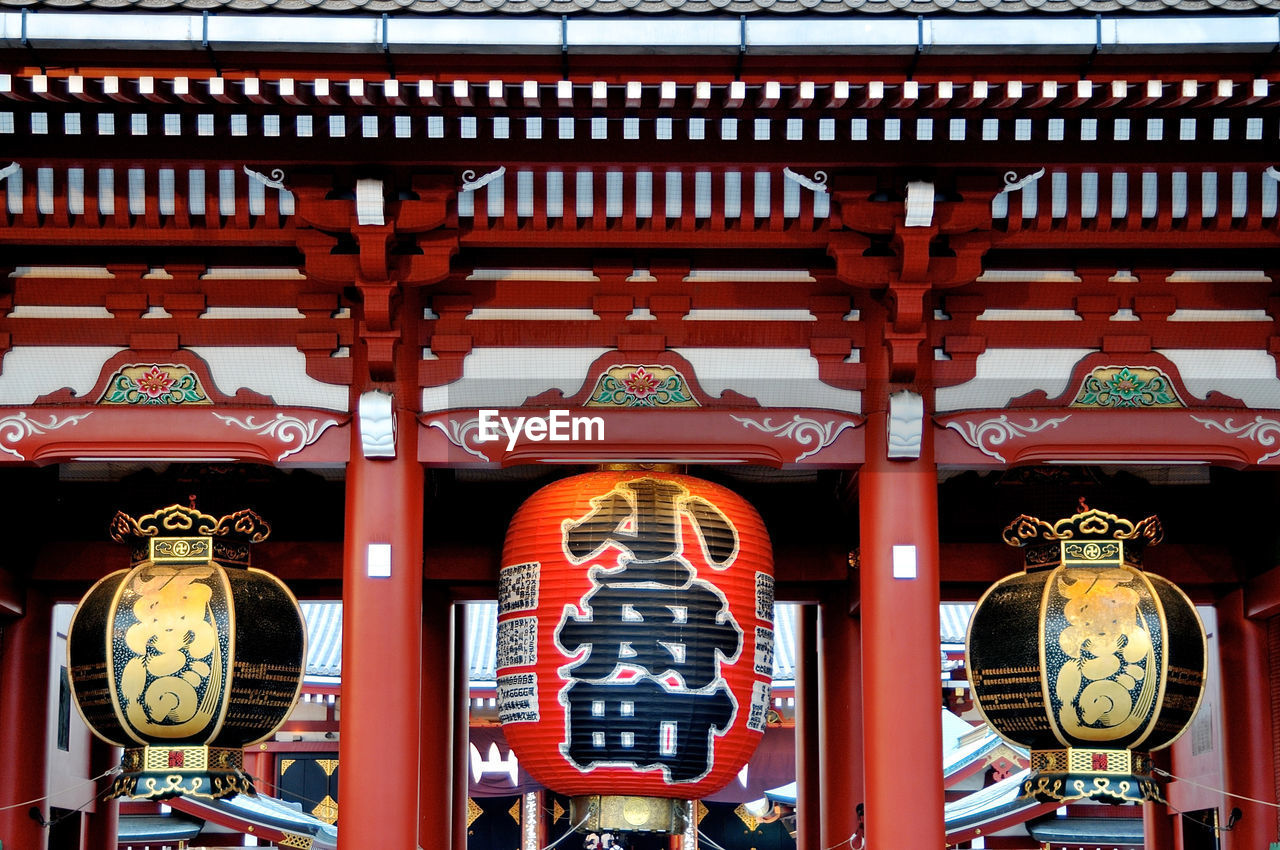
1089,537
185,535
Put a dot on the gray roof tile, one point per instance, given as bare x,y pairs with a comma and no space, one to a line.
659,7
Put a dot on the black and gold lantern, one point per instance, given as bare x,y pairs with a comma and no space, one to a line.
1086,659
188,656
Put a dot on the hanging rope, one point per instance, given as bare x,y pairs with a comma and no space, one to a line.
1218,790
571,831
80,784
704,839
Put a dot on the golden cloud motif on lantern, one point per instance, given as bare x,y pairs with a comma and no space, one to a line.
635,643
188,656
1087,659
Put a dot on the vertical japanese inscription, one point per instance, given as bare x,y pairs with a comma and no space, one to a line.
645,688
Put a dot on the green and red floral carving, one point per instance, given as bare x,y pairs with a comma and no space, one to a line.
154,384
1128,387
641,386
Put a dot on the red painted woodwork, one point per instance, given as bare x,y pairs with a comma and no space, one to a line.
897,504
382,650
102,824
778,437
12,603
204,810
24,670
1273,652
808,729
1262,596
719,553
1157,818
439,705
1249,769
461,759
44,435
1001,823
839,652
1069,435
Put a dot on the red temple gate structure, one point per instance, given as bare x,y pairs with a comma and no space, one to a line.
895,275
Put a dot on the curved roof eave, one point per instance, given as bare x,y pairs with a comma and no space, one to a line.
759,27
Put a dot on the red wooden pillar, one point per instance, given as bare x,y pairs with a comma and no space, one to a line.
1157,821
261,765
461,728
435,791
809,742
24,681
840,722
902,731
102,826
1246,725
381,646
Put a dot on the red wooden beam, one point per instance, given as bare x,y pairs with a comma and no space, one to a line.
12,594
1262,595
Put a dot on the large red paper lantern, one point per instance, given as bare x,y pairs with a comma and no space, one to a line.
635,642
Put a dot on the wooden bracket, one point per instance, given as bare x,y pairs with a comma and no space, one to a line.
373,268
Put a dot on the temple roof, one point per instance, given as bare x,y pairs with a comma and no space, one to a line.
681,8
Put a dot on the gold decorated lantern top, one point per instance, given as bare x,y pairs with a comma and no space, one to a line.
1090,537
189,655
1085,658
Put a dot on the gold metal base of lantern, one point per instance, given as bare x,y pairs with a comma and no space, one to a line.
1106,776
156,773
606,813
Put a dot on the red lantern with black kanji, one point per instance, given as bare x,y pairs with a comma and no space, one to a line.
635,642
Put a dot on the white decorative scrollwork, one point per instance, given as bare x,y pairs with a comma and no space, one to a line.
817,183
1272,172
994,432
11,168
470,183
1261,430
19,426
456,432
803,430
275,181
1012,183
290,430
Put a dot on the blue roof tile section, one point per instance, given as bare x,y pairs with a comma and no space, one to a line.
324,639
682,8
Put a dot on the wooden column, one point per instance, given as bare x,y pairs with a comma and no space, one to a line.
808,731
1246,725
261,765
102,826
435,791
461,728
1157,821
901,714
382,648
24,681
839,652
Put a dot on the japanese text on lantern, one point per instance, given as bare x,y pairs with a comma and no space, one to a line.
630,640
